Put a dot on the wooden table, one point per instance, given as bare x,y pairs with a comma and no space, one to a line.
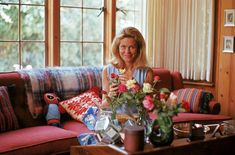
209,146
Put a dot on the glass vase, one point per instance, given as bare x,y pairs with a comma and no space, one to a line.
162,133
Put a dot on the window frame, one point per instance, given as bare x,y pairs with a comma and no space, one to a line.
53,54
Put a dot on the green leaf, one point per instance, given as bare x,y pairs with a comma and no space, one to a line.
164,90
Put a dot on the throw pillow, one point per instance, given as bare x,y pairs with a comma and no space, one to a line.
190,95
78,106
8,120
205,100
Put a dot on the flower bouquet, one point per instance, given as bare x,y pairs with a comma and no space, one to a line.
148,101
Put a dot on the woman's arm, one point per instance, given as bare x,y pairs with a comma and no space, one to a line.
105,87
149,76
111,89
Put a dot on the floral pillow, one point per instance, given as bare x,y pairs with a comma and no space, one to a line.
8,120
78,106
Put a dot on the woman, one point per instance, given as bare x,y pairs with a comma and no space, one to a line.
129,54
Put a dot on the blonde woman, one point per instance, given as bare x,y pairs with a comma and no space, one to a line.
129,61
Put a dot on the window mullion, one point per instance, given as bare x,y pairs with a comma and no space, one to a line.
109,28
53,33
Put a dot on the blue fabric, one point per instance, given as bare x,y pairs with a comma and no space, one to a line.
53,112
139,74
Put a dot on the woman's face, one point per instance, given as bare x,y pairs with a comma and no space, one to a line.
128,49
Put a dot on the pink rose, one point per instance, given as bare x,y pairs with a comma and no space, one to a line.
122,88
113,75
156,78
148,103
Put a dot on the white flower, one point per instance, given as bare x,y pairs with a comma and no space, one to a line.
172,99
147,88
130,83
122,71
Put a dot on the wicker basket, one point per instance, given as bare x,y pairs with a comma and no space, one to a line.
182,130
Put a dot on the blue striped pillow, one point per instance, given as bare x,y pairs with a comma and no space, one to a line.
8,120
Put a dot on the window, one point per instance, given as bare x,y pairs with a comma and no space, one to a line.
130,13
81,32
39,33
22,39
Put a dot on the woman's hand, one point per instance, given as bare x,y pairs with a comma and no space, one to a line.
123,79
113,90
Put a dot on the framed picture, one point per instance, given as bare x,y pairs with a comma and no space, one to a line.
228,44
229,17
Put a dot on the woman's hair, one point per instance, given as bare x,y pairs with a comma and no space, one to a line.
129,32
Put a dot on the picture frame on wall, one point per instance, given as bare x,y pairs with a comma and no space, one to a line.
228,44
229,17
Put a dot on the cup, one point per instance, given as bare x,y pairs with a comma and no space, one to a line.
134,138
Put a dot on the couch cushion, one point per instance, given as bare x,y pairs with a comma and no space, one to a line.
77,106
19,99
196,117
37,141
177,80
8,120
214,107
76,126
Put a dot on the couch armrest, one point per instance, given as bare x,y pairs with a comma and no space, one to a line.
177,80
214,107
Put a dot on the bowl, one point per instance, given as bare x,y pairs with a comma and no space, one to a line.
182,130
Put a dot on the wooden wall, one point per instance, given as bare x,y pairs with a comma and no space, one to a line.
225,66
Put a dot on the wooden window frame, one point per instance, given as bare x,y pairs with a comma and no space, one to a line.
53,31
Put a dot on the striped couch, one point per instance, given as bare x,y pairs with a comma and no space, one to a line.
25,130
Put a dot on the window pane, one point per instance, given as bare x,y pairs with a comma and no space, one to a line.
32,23
93,3
77,3
129,14
70,31
8,56
9,22
33,54
70,54
93,54
93,27
41,2
9,1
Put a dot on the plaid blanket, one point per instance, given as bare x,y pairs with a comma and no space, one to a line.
66,82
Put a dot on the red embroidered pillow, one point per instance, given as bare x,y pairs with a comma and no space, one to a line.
77,106
8,120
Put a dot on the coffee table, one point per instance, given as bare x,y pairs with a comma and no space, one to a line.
210,145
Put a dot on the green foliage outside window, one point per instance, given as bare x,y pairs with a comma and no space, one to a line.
22,31
22,35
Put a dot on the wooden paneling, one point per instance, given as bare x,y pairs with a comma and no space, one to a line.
225,83
224,63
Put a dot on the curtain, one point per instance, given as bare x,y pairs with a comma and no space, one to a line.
179,36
